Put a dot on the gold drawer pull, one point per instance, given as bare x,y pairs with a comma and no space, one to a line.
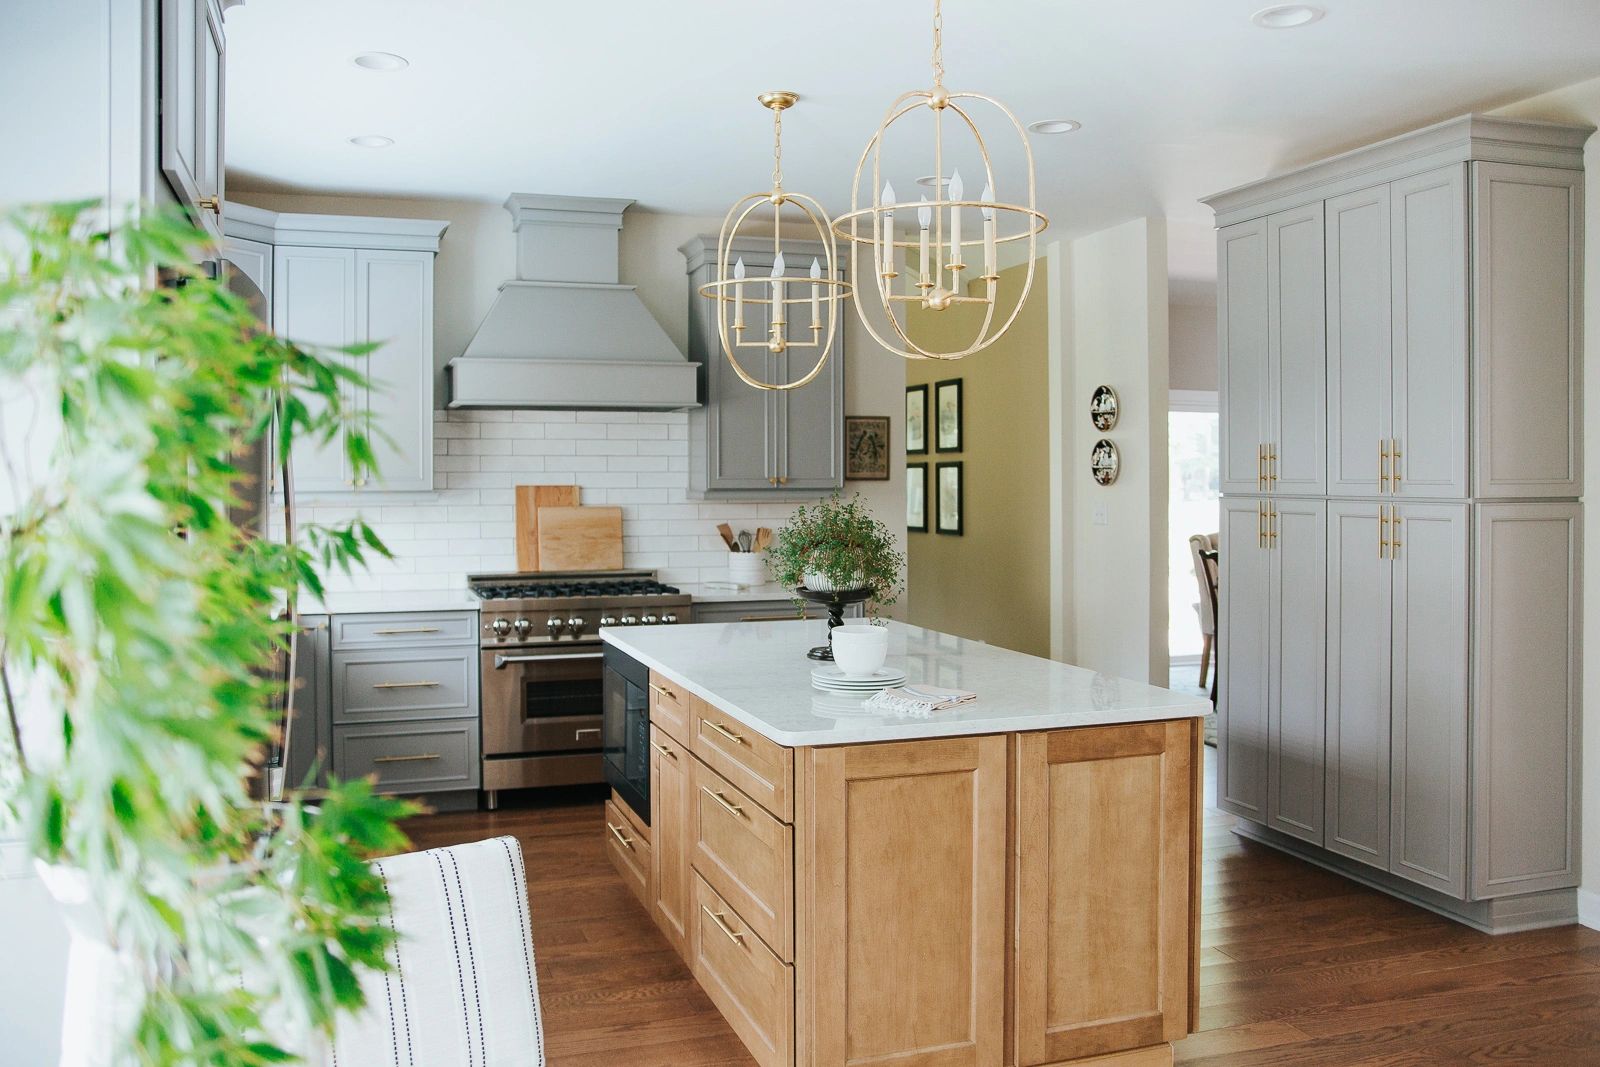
724,801
407,630
667,752
405,685
663,692
769,618
422,758
724,731
616,831
1394,536
716,917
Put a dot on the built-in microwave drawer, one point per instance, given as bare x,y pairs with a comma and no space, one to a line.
414,758
404,629
389,685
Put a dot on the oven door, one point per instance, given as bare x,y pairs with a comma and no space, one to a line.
540,700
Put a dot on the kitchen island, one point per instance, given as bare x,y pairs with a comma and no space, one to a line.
1014,881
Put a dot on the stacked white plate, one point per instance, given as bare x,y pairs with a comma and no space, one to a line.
833,680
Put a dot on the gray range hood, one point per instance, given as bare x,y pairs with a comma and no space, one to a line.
564,333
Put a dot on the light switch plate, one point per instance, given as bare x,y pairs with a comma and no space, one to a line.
1102,515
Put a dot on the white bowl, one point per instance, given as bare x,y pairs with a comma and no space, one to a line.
860,651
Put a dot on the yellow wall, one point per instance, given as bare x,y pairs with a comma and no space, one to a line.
991,583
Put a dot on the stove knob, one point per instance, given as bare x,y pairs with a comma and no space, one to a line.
608,620
522,626
649,620
669,618
555,625
575,625
499,627
629,620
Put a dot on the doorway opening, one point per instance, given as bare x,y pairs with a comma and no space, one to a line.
1192,510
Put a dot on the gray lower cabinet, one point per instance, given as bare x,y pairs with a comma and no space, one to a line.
405,700
749,442
1243,656
764,611
310,737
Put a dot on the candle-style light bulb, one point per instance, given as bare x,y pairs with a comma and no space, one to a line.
987,196
958,191
738,293
778,318
924,220
886,199
816,294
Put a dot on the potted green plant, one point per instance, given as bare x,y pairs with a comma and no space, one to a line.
136,621
835,546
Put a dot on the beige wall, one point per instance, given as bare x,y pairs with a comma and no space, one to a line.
991,583
1581,104
1192,347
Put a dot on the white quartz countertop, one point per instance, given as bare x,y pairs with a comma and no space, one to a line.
389,600
758,673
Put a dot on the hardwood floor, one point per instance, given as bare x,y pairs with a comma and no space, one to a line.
1298,965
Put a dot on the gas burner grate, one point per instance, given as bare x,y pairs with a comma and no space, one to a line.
568,589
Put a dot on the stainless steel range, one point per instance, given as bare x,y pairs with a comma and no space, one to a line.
542,668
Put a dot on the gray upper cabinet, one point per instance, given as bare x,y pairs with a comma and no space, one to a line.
1296,357
394,308
1527,294
1360,385
314,303
1242,330
751,442
193,53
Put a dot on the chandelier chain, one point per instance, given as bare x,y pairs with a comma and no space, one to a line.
777,149
938,43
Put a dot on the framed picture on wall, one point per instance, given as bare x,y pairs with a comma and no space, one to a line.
917,497
947,415
949,510
866,448
917,419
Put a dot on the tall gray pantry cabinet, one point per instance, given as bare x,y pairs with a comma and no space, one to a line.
1399,334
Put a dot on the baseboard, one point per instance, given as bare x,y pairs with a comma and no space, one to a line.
1589,908
1501,915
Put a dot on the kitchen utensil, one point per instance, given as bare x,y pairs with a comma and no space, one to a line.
746,539
727,536
763,539
860,650
530,498
580,539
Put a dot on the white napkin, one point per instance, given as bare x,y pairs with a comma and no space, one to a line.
917,701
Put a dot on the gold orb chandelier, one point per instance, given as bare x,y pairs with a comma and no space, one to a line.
944,246
770,300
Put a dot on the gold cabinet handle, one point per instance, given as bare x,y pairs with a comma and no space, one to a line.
212,204
724,801
1394,534
405,685
724,731
716,917
1261,525
616,832
1272,527
407,630
1261,466
1394,465
1383,463
1383,532
1272,465
663,692
421,758
667,752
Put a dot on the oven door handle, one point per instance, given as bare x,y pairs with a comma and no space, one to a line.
500,660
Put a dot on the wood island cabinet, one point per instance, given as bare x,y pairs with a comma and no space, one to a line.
1016,899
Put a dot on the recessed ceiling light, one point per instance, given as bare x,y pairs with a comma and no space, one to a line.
1055,126
372,140
381,61
932,180
1287,16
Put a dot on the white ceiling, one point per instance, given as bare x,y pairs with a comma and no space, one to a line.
655,100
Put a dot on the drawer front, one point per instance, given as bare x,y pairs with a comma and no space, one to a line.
752,988
405,630
754,611
383,686
629,816
419,758
669,707
760,769
629,852
746,855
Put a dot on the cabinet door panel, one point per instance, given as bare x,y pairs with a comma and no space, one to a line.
1242,348
1102,905
875,820
182,23
1297,356
1429,286
394,309
210,108
314,303
1428,745
1358,634
741,421
311,732
1359,385
1243,650
810,452
670,767
1527,296
1298,568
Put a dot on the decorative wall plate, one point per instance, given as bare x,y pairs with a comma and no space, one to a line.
1103,408
1105,462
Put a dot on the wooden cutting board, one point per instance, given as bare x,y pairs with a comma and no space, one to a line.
530,498
580,539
